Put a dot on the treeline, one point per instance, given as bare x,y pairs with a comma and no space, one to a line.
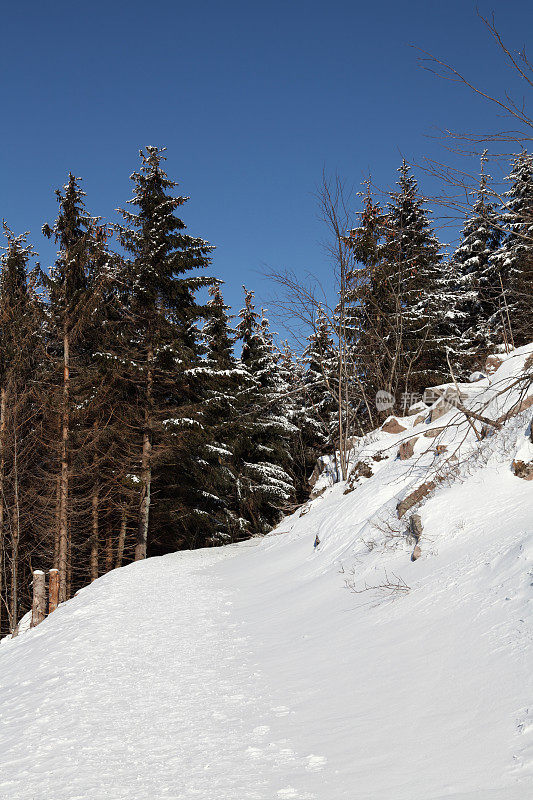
408,315
128,424
416,312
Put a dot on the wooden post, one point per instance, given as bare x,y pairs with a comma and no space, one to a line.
38,609
53,590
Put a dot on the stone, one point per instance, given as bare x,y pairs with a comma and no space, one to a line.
417,552
419,419
392,426
361,469
415,527
415,497
439,410
433,432
523,470
407,448
476,376
492,364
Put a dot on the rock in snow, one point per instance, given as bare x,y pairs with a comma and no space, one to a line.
392,426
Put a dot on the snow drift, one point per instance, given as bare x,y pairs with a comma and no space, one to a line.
273,669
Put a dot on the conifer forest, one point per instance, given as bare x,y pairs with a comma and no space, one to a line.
137,417
266,401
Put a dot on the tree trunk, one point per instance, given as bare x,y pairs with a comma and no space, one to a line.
68,593
56,530
64,476
146,480
109,551
38,609
3,407
146,467
15,532
53,590
94,535
121,538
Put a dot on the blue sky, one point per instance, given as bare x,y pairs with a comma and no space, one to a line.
252,99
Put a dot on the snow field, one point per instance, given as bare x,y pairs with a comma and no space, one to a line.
252,673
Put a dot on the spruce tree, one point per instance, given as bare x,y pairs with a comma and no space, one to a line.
222,380
313,401
20,349
514,259
68,289
263,447
321,383
373,305
164,310
415,274
475,283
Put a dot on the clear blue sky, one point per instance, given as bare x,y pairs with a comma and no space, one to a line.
252,100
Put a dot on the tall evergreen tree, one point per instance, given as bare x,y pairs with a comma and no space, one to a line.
263,448
68,288
514,259
321,382
475,282
20,321
373,305
164,310
415,275
223,380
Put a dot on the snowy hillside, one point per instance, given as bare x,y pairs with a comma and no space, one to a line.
275,670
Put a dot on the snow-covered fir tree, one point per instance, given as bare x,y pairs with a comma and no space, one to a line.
474,282
321,382
263,447
416,277
372,305
164,311
69,291
513,319
223,381
21,357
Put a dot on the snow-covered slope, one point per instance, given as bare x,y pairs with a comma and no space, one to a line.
252,673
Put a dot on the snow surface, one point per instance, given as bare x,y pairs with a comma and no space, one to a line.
251,672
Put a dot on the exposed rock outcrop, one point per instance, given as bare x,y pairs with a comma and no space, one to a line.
407,448
415,497
392,426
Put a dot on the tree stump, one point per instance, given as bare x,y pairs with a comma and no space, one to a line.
38,609
53,590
